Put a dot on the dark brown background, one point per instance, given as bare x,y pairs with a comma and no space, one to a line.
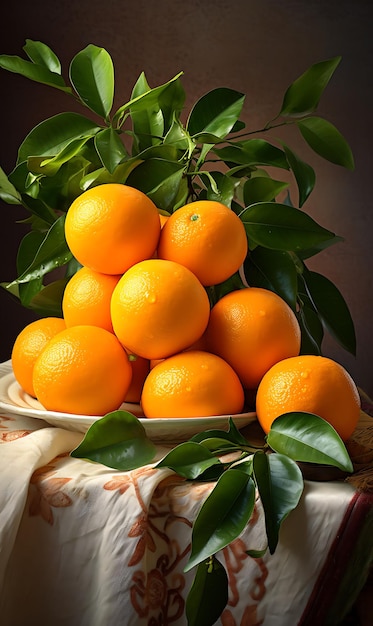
258,48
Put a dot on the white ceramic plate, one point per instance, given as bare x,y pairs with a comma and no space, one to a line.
14,400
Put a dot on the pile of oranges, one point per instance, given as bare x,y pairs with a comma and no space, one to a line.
138,327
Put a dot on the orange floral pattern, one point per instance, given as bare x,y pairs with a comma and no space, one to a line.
163,530
48,492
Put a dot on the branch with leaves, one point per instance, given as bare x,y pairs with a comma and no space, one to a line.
270,471
211,154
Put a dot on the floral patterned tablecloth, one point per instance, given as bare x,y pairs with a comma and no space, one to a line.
84,545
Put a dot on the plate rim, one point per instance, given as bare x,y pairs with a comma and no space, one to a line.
43,414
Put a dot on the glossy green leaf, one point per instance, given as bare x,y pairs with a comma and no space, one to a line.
50,166
233,435
102,175
92,76
208,595
326,140
8,192
262,189
171,101
33,71
312,331
274,270
41,54
307,437
52,253
218,445
189,459
212,474
159,179
323,245
332,309
117,440
27,250
304,175
148,99
55,192
165,194
147,124
280,485
253,152
48,300
303,95
52,135
110,148
38,208
216,112
179,138
223,515
282,227
257,554
219,188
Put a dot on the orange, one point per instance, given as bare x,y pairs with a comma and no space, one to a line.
314,384
111,227
252,329
192,384
28,345
140,370
82,370
207,237
86,299
159,308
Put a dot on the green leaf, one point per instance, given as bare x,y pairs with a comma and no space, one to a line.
253,152
219,187
178,137
309,438
233,435
208,595
53,134
39,209
223,515
171,101
332,309
216,112
282,227
41,54
189,459
323,245
274,270
148,99
33,71
48,300
8,191
312,331
303,95
160,180
50,166
256,554
117,440
27,250
262,189
147,124
92,76
324,138
110,148
280,485
52,253
304,175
